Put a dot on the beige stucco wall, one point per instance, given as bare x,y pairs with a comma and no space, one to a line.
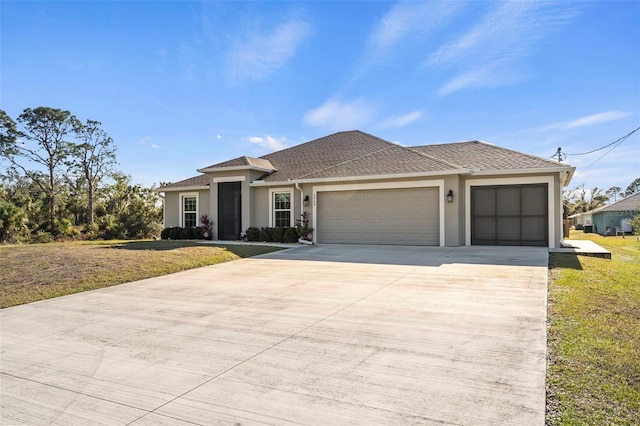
171,210
260,212
172,205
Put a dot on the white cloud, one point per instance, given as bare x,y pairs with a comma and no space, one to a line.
404,20
402,120
269,142
496,74
256,55
506,34
148,141
589,120
337,115
218,136
601,117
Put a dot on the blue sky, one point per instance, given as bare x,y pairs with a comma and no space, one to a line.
182,85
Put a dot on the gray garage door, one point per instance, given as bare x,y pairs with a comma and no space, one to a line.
407,216
509,215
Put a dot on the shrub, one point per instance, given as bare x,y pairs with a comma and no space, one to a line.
635,224
13,222
253,234
277,234
177,233
185,234
207,227
64,228
265,235
290,235
42,237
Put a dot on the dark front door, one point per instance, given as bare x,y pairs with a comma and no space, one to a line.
510,215
229,210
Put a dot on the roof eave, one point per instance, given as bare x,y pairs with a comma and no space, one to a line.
364,177
568,170
182,188
234,168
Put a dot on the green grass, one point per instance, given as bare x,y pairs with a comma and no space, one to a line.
593,374
42,271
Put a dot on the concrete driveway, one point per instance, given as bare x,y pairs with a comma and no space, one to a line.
313,335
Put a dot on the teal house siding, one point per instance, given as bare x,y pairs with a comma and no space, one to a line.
605,223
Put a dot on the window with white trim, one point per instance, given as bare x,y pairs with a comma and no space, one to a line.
189,209
282,208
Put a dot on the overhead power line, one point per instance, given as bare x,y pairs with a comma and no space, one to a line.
606,146
613,146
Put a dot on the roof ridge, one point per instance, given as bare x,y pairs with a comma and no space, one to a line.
351,160
432,157
264,157
497,147
522,153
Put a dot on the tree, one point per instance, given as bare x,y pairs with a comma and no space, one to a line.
96,155
633,188
128,211
613,192
8,135
40,143
12,221
581,200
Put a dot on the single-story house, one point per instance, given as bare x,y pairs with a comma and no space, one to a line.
616,215
360,189
580,219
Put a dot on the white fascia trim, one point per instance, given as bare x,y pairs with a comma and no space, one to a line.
546,170
524,180
272,191
379,177
232,168
229,179
181,204
183,188
439,183
281,184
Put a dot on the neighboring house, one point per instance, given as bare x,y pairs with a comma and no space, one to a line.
580,219
360,189
616,215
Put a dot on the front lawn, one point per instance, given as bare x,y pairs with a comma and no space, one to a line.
42,271
593,374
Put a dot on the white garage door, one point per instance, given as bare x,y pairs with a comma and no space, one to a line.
406,216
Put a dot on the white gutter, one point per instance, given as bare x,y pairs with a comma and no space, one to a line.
182,188
474,172
371,177
301,199
477,172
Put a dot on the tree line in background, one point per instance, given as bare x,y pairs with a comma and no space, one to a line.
582,200
58,179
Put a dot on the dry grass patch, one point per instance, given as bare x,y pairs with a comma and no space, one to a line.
593,374
42,271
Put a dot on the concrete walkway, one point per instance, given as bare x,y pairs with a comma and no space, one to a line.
583,248
313,335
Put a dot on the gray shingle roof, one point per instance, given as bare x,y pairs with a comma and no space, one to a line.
355,153
244,161
629,203
483,156
201,180
347,154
